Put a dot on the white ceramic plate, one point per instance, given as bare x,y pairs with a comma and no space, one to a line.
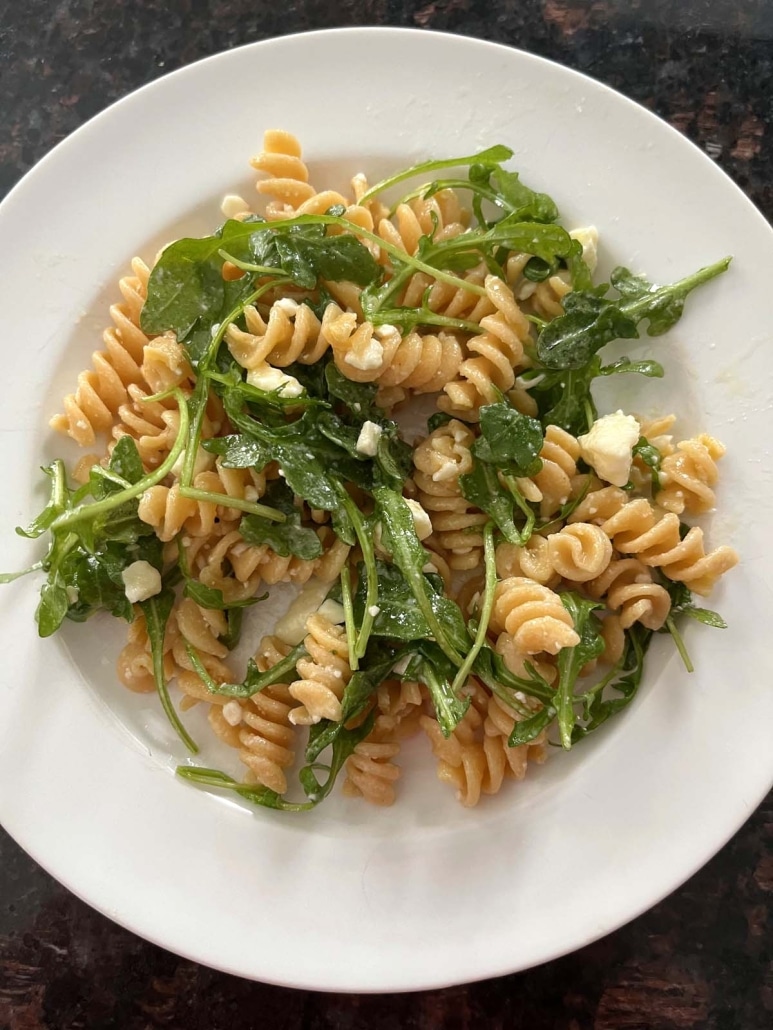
424,894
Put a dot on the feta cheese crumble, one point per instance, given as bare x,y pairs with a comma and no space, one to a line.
367,441
141,581
608,445
368,357
421,519
266,377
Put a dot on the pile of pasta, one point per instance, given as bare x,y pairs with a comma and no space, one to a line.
614,546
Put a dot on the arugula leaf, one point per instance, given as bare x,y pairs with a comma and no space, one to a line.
428,665
482,488
254,680
239,451
346,740
572,659
525,731
596,708
125,461
95,583
509,440
410,557
186,285
492,155
400,616
356,697
564,397
591,320
285,538
256,795
359,398
651,457
60,498
52,607
307,255
491,669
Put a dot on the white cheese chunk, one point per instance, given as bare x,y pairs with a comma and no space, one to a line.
608,445
367,441
332,611
368,358
204,461
291,628
266,377
232,713
588,238
234,205
421,519
373,611
141,581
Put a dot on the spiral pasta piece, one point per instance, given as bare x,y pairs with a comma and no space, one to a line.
135,662
292,333
371,771
533,560
419,362
456,524
689,475
509,761
533,616
556,480
170,512
102,389
579,552
448,299
324,674
637,527
494,354
626,586
259,726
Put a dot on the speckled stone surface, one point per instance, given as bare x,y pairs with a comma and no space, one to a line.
703,958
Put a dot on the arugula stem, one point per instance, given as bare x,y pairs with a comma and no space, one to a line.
9,577
157,651
637,309
86,511
351,629
255,794
492,155
523,505
233,502
371,593
680,644
201,391
247,267
395,252
422,316
489,560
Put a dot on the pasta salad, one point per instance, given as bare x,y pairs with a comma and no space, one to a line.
492,584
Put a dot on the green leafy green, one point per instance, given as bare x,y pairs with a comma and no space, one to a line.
285,538
157,611
186,285
410,557
509,440
256,795
591,320
307,255
428,665
572,659
254,680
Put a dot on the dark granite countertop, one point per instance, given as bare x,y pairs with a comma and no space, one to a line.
701,959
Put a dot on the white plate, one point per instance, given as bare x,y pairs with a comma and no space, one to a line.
425,894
